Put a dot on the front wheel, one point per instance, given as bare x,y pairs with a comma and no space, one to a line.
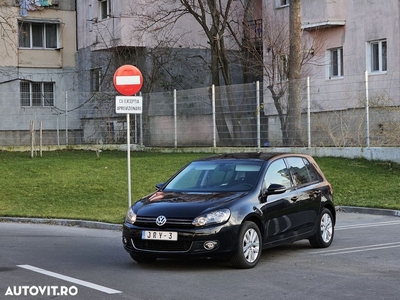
324,235
249,247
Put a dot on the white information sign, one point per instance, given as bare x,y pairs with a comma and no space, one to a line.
128,104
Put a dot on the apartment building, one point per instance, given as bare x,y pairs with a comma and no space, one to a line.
38,77
57,62
171,54
353,70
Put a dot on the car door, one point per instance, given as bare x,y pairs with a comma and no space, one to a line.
279,210
307,184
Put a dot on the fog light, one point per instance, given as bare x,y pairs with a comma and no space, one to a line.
124,240
210,245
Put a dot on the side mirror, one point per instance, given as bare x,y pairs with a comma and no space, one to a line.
159,185
275,189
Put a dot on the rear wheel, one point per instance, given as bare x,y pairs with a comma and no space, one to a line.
142,259
324,235
249,247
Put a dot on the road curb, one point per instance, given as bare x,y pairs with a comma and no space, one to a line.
64,222
367,210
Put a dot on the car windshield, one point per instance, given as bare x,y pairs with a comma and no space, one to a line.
216,176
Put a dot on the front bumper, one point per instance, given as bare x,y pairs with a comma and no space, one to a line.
217,241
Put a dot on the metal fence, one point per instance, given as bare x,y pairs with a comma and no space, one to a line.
354,111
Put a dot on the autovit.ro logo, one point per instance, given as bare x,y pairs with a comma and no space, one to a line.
47,290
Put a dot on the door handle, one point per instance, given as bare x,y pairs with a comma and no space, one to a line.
315,194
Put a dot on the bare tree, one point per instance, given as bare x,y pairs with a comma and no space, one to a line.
223,24
285,51
111,55
213,20
294,99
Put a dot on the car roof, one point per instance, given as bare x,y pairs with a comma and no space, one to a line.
265,156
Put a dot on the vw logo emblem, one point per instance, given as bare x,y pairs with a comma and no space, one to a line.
161,220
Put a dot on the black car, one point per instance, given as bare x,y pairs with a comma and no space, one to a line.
233,206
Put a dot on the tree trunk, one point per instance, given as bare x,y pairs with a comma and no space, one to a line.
224,135
294,100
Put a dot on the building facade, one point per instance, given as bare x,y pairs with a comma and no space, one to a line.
58,61
172,54
38,77
353,68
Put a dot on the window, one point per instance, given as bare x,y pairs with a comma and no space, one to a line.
277,173
255,29
105,9
302,171
37,93
281,3
377,55
95,80
38,35
282,67
336,63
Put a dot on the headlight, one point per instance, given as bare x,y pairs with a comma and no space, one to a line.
130,216
215,217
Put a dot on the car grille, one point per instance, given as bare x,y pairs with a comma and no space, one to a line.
150,222
161,246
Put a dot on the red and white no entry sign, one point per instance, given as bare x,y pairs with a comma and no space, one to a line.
128,80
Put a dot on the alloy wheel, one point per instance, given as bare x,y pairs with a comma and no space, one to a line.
326,228
251,245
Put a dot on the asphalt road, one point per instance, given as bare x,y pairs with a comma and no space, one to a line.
48,261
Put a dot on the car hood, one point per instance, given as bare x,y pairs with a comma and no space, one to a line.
183,205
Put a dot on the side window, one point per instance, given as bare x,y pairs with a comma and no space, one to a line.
277,173
302,171
311,170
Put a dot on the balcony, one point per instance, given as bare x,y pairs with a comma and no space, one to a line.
321,14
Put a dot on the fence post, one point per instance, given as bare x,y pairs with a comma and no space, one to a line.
141,129
258,114
41,138
141,125
213,116
66,118
32,132
58,130
308,112
175,122
367,108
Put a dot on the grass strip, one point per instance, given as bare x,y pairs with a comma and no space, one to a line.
81,185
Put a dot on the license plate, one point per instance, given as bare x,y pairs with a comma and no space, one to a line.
159,235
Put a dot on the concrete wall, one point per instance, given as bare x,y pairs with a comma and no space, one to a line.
387,154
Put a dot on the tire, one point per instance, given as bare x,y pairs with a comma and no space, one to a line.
249,247
142,259
324,236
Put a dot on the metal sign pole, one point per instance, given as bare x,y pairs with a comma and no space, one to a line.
128,80
128,150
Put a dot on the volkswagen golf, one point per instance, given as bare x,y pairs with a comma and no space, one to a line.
232,206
